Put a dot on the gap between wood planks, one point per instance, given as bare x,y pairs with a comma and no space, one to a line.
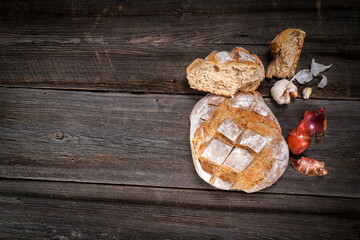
64,211
150,93
167,187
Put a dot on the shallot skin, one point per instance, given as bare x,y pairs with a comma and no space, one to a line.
299,139
315,122
309,166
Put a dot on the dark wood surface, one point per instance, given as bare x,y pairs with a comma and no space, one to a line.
47,46
78,210
94,120
137,139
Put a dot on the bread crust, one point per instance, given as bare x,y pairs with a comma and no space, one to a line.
195,63
236,143
278,44
236,58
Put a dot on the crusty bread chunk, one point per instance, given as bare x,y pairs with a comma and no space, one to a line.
286,49
226,73
236,143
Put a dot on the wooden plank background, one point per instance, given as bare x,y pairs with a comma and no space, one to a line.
120,46
97,137
94,120
83,211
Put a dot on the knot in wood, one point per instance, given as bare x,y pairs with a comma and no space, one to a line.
178,12
59,135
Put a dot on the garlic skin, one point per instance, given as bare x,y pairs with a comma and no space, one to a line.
317,68
323,81
306,93
283,90
303,76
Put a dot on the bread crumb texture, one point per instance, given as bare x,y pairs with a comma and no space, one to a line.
286,49
226,73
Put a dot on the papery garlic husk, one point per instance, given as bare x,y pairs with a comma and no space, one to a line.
317,68
303,76
323,81
306,93
283,90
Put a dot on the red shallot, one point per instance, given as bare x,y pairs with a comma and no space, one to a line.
315,122
309,166
299,139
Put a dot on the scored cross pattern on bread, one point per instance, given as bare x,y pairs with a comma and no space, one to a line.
236,142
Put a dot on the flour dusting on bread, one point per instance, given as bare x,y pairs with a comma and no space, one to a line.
223,56
239,146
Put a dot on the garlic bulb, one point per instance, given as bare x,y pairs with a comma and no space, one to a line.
283,90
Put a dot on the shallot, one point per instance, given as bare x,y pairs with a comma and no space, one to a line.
315,122
309,166
299,139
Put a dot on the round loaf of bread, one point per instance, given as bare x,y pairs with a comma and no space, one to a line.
236,143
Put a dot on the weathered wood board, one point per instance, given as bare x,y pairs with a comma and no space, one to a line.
143,139
37,209
147,49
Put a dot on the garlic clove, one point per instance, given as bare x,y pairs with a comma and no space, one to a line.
303,76
317,68
306,93
283,90
293,94
323,82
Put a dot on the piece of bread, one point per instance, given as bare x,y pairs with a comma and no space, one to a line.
236,143
226,73
286,49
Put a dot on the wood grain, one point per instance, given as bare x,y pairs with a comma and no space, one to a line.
98,164
143,52
81,211
22,9
143,139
